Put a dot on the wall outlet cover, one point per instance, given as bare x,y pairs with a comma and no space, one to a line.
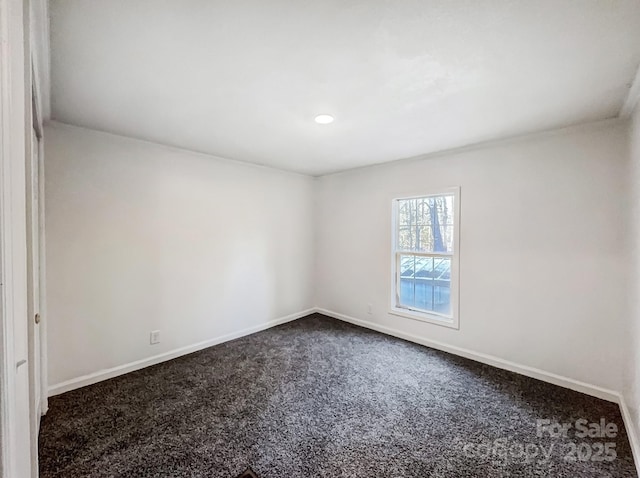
154,337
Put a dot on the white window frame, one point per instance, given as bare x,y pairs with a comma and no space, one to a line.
453,320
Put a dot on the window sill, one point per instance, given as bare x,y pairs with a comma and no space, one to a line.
425,317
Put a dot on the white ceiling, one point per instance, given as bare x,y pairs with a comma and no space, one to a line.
243,79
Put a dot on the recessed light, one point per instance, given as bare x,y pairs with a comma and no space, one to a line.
324,119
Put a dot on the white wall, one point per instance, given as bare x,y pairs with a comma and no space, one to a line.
543,255
631,389
143,237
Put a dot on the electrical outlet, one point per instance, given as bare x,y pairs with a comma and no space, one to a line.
154,337
369,309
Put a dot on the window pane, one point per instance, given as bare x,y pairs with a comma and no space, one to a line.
448,219
406,212
426,224
447,238
424,239
407,282
405,238
425,283
407,265
422,211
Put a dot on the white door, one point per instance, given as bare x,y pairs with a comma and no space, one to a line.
33,283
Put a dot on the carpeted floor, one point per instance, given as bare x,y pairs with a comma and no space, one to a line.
321,398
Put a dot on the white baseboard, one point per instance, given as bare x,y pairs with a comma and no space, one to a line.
163,357
632,431
549,377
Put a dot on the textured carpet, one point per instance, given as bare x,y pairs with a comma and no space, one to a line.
321,398
248,473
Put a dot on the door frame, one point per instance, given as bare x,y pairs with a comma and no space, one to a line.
12,157
6,325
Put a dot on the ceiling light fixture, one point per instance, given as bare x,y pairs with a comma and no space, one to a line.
324,119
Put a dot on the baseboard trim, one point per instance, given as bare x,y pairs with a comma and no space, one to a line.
630,426
106,374
532,372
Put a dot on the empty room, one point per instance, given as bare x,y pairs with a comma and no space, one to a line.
273,239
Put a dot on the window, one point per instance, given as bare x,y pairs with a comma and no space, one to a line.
426,256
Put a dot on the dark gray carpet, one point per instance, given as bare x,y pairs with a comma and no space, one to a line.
321,398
